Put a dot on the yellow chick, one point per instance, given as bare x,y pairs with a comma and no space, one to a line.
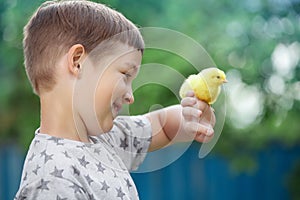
206,85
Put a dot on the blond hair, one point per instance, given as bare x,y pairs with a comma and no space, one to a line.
58,25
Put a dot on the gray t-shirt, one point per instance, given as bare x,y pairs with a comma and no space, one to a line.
57,168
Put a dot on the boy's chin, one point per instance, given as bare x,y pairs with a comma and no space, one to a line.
106,126
114,113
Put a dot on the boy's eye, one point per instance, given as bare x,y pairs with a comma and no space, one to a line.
127,74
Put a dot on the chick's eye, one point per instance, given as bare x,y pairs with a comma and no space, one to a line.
218,77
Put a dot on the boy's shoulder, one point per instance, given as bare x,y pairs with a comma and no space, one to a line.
49,155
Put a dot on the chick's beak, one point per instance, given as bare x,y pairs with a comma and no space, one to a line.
225,81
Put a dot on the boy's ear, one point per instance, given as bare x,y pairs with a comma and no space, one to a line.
76,55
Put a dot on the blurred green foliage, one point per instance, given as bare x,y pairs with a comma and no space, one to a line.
255,41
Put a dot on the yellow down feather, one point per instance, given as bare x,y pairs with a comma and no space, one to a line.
206,85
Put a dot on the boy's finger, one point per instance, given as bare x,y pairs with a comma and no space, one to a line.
201,105
191,112
203,138
188,101
197,128
190,94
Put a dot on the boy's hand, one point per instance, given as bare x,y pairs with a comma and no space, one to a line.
199,118
192,120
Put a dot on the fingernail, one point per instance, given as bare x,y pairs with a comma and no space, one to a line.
209,132
199,113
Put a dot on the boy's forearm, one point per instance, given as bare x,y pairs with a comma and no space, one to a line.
166,125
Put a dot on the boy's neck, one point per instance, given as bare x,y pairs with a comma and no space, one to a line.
57,120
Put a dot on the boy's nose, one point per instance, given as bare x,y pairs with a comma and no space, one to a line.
129,99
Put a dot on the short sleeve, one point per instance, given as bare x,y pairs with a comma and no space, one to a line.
130,137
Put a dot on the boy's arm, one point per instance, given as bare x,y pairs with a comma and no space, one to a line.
192,120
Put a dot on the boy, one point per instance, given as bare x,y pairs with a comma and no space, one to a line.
81,58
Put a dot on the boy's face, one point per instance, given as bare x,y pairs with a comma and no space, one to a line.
114,86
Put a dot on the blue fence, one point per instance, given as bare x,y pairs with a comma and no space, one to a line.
213,179
189,177
11,163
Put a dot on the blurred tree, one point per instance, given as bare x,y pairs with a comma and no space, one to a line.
19,114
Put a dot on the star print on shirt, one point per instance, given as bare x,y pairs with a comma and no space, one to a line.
25,177
57,173
104,186
43,185
59,198
88,179
125,124
97,151
139,123
76,188
23,194
35,142
80,146
120,193
128,183
56,140
88,145
47,156
75,170
31,157
83,162
139,151
66,154
124,143
35,171
43,153
100,167
136,142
